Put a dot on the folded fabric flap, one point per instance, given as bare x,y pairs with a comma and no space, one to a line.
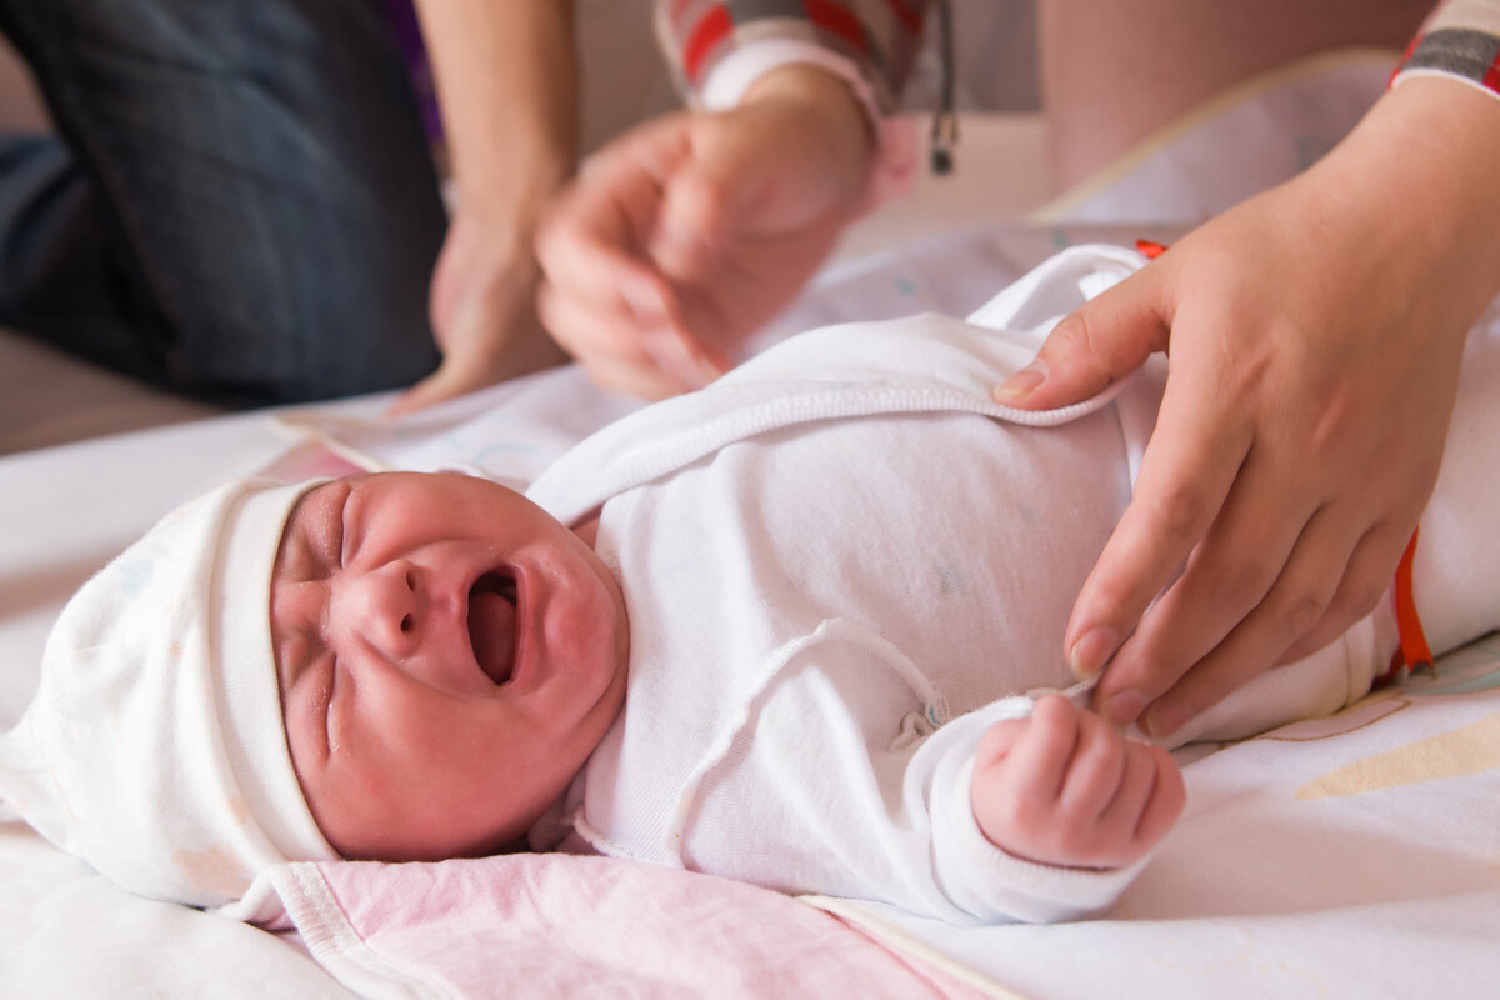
548,925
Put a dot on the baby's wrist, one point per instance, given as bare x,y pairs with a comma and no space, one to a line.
1004,844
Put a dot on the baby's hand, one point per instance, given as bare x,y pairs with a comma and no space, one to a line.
1064,788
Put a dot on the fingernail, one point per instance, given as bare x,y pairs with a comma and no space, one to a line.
1092,651
645,301
1166,720
1022,384
675,358
684,237
708,370
676,247
1123,709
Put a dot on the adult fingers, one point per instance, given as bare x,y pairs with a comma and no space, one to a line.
1252,541
620,350
487,340
641,383
447,382
609,299
594,261
698,207
594,244
1187,470
1366,578
1287,563
738,184
1105,339
481,359
1302,610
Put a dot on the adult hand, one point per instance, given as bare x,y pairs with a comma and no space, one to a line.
1315,335
507,79
683,237
483,310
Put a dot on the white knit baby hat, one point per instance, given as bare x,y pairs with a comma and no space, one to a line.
154,749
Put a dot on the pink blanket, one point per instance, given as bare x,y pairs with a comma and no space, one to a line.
550,926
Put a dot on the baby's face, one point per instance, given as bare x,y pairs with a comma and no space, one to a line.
448,656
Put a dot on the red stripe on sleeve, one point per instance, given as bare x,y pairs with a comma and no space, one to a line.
910,19
1492,76
1411,47
714,27
831,17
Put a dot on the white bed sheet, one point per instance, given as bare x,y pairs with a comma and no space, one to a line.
1354,856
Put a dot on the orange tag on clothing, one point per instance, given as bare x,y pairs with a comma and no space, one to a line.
1150,248
1414,653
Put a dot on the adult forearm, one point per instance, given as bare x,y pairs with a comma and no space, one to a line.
1428,154
507,81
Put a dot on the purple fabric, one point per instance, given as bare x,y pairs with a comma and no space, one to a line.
408,30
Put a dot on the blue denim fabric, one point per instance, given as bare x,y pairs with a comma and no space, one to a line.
246,210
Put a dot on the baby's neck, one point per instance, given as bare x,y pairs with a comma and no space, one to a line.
555,824
588,529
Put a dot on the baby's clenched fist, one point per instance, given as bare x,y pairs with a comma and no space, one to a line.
1064,788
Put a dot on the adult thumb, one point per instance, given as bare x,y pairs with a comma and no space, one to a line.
449,381
479,357
709,201
1102,341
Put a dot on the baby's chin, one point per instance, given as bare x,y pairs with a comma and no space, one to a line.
616,616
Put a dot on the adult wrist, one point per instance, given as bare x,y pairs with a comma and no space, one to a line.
519,192
1418,175
814,87
1460,41
886,148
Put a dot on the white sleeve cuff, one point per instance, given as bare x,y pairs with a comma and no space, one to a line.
731,76
894,171
995,886
1411,72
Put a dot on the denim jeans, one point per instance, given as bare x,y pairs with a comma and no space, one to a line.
242,207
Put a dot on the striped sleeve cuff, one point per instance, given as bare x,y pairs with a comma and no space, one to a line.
880,37
1460,40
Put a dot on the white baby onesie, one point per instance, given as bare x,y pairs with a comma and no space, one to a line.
838,563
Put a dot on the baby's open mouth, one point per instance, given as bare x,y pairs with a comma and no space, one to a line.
492,624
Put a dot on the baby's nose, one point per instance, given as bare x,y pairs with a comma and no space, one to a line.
381,606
